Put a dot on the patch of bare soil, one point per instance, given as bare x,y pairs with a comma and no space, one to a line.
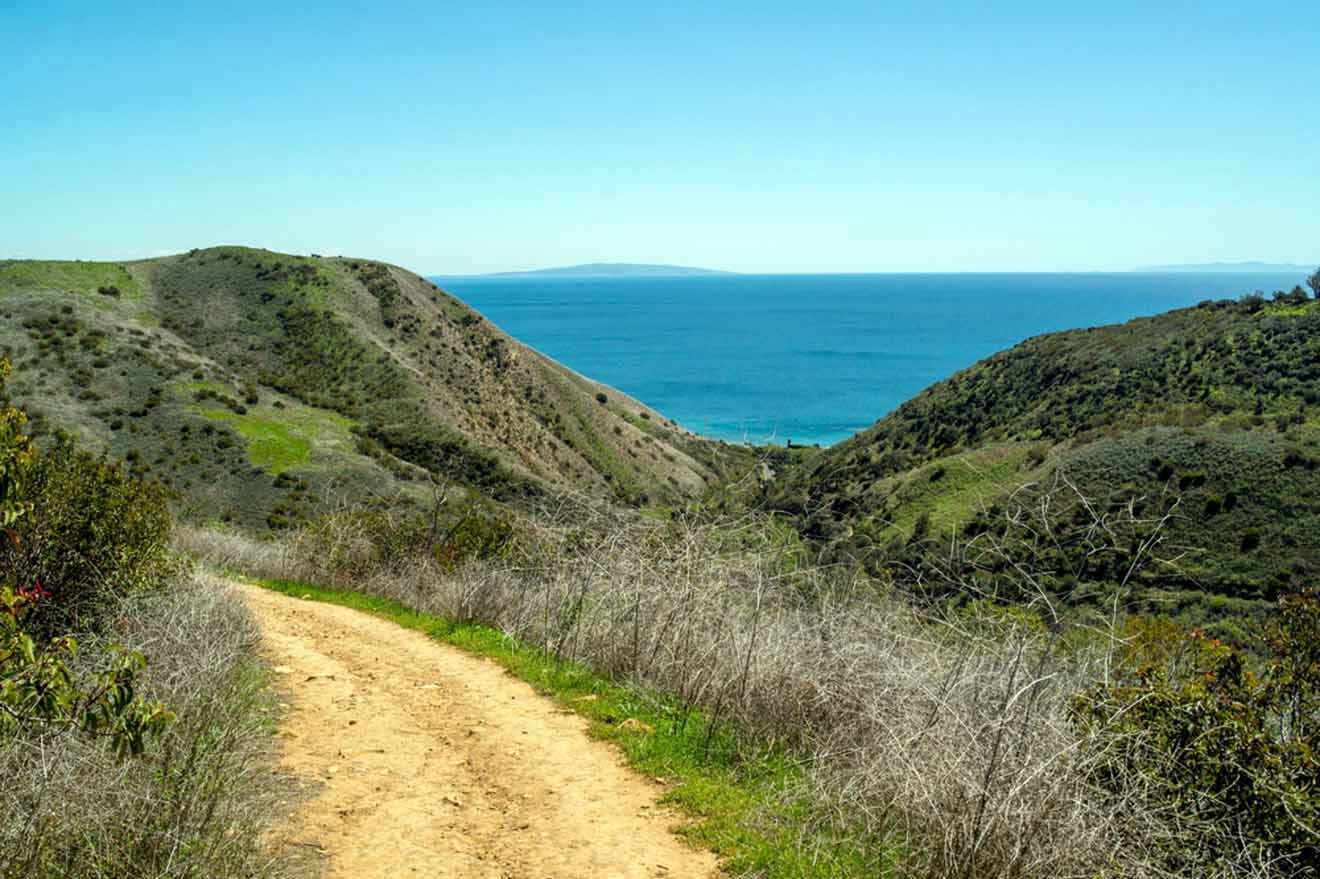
424,760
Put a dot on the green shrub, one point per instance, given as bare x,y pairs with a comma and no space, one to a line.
233,405
94,534
477,535
407,431
15,457
1230,755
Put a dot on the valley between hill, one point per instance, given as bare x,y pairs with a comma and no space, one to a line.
267,390
967,641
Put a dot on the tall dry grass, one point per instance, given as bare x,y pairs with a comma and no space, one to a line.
197,803
946,736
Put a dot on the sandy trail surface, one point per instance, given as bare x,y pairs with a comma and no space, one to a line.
420,759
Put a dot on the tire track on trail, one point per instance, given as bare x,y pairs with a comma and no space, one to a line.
421,759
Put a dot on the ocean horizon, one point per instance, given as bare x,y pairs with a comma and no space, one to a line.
811,359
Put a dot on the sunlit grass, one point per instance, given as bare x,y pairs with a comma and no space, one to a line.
66,276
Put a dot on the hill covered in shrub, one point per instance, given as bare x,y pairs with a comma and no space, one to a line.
262,387
1202,423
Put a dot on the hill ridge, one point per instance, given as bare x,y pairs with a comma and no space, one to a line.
1244,267
228,370
1207,418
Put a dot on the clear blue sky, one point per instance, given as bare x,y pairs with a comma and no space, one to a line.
757,136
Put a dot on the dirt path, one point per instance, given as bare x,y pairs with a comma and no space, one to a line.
426,760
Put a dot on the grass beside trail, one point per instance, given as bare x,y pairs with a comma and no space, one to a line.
745,813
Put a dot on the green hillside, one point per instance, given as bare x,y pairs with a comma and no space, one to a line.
264,386
1207,418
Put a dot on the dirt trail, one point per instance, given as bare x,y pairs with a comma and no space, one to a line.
426,760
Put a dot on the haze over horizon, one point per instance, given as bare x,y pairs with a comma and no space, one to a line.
607,269
752,138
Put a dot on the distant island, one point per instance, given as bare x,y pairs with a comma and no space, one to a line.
1251,267
605,270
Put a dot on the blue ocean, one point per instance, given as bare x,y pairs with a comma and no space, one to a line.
810,358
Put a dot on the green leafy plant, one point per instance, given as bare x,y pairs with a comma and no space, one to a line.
15,456
477,534
37,686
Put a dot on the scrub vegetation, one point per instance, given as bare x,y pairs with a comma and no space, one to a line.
820,723
1051,618
1208,417
132,713
221,371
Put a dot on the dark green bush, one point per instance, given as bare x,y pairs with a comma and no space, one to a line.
382,285
478,534
94,535
233,405
407,431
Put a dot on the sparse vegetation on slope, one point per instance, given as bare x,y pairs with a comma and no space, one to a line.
223,371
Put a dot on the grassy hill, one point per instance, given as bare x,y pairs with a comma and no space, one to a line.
1207,415
262,386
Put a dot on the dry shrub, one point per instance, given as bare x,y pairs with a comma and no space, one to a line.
232,551
196,804
948,736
